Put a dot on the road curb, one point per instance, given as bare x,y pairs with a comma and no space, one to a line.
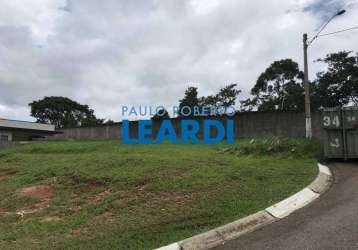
323,181
293,203
280,210
227,232
174,246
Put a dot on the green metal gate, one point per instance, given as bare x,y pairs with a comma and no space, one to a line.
340,132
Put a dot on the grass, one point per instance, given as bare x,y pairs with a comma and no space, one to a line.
112,196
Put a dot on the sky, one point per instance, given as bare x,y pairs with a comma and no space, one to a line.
112,53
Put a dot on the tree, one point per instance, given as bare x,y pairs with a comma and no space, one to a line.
190,100
280,87
161,114
109,122
63,112
226,97
248,104
338,85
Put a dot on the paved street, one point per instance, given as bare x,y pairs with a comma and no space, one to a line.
331,222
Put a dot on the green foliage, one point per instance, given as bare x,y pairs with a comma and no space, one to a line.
190,100
278,88
162,114
226,97
277,146
63,112
338,85
109,122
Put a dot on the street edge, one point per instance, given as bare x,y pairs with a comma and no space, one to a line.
278,211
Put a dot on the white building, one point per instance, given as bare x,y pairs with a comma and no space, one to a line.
12,130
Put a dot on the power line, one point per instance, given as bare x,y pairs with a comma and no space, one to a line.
322,28
339,31
341,12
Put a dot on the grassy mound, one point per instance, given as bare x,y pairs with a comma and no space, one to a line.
104,195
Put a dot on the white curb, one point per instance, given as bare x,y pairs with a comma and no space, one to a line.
252,222
322,183
293,203
220,235
324,169
174,246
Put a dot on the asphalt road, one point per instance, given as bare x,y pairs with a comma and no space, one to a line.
331,222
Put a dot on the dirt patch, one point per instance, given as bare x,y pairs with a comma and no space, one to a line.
75,208
33,208
3,212
39,192
176,197
88,183
3,177
98,197
42,192
77,232
51,218
93,184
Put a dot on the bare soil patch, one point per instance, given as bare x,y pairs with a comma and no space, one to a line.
42,192
98,197
34,207
177,197
39,192
51,218
3,212
88,183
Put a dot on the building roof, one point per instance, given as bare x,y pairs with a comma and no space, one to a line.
14,124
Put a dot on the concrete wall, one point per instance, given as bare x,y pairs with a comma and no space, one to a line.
247,125
108,132
6,134
287,124
19,135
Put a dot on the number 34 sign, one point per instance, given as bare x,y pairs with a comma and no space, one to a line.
329,121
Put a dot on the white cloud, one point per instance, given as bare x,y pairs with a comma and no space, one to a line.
39,16
112,53
203,7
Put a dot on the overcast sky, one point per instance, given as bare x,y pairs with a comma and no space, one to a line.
111,53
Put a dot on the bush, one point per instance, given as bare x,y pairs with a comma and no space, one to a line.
275,145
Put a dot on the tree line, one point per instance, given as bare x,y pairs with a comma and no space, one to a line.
278,88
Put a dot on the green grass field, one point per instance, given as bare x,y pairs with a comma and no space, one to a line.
104,195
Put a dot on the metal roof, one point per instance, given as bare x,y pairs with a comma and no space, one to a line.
14,124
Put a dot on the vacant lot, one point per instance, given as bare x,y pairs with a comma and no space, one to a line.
92,195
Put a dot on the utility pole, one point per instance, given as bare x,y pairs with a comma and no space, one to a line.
306,43
307,90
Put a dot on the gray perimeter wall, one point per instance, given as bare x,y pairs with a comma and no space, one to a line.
247,125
